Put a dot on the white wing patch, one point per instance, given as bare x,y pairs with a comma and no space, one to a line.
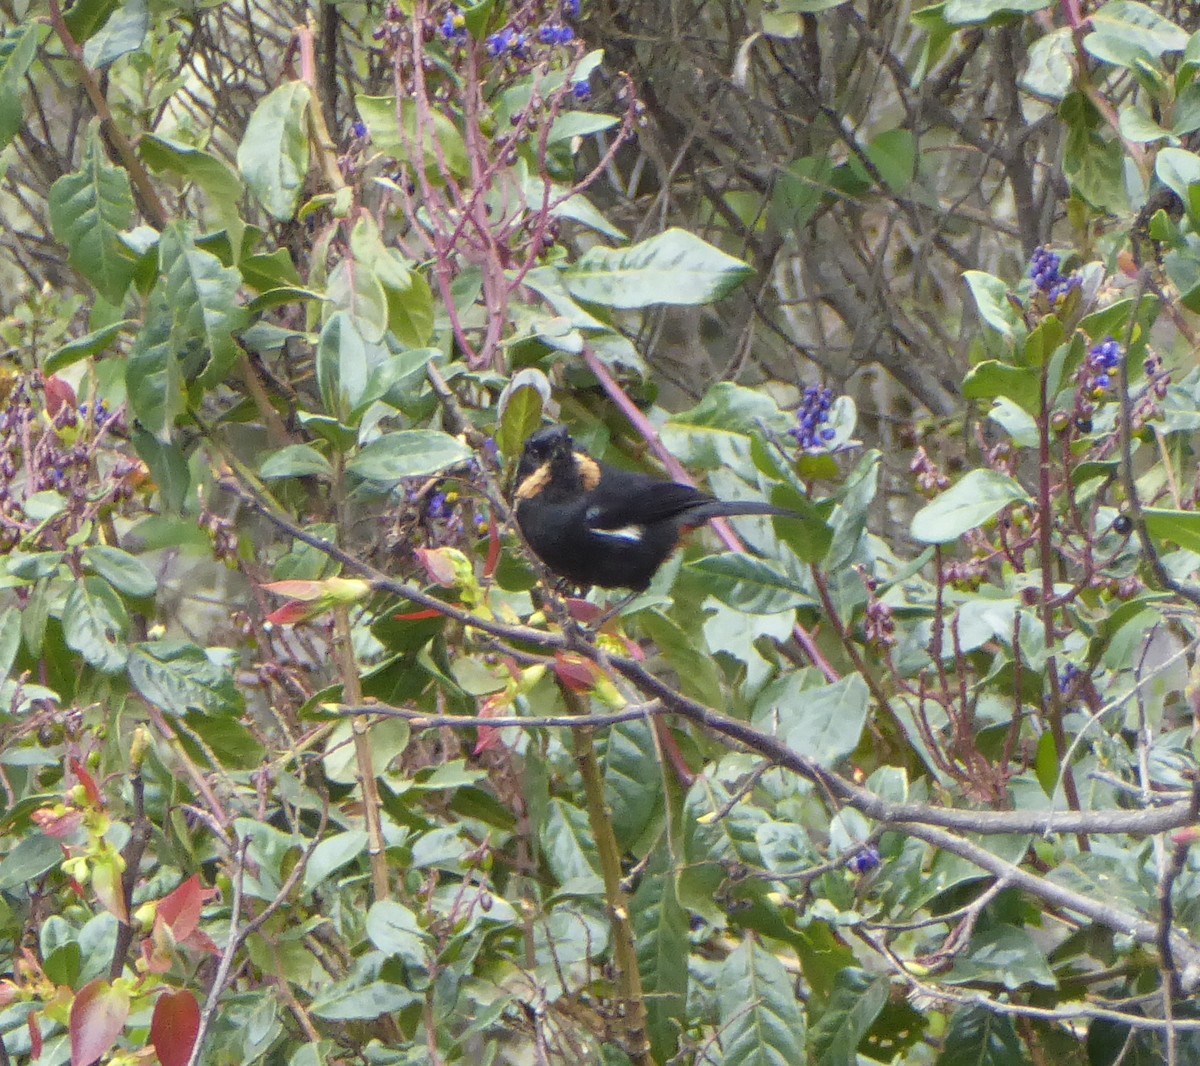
632,534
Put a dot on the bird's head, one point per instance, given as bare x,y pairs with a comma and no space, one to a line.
550,459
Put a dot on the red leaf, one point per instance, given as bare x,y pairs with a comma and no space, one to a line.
416,616
88,782
493,555
583,610
574,671
488,737
35,1036
58,393
291,612
180,909
58,826
438,566
174,1027
97,1018
296,589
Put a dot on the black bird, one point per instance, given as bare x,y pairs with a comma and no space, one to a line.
596,525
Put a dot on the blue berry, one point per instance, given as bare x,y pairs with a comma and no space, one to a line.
359,130
864,861
582,91
454,25
501,43
438,506
570,9
1044,270
811,432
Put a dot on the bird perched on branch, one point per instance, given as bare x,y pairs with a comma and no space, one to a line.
596,525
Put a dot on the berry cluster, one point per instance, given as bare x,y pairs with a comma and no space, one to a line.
864,861
62,457
1102,360
930,479
507,42
454,26
1044,269
813,433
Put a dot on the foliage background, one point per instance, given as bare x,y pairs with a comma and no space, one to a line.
285,290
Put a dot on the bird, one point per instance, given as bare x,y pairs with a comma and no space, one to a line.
592,524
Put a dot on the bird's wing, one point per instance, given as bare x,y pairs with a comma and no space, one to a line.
625,499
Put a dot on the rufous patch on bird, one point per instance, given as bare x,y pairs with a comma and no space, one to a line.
589,471
535,482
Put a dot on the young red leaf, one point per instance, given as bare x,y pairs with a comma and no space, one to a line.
174,1027
576,672
97,1017
89,783
35,1037
180,909
58,394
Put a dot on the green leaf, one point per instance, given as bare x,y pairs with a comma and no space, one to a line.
178,677
32,856
632,781
978,496
88,345
88,210
410,314
153,375
394,929
991,298
222,186
394,131
123,33
828,724
408,453
357,291
227,744
1003,953
751,585
1173,527
95,624
661,932
1017,422
14,65
331,854
569,849
520,409
202,295
577,208
273,155
346,361
853,1007
1134,25
1179,170
808,7
571,124
168,467
296,460
798,191
760,1020
1050,65
894,154
973,12
10,640
676,267
342,1004
698,675
124,572
978,1037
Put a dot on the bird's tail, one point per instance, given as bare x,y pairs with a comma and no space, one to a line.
730,508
